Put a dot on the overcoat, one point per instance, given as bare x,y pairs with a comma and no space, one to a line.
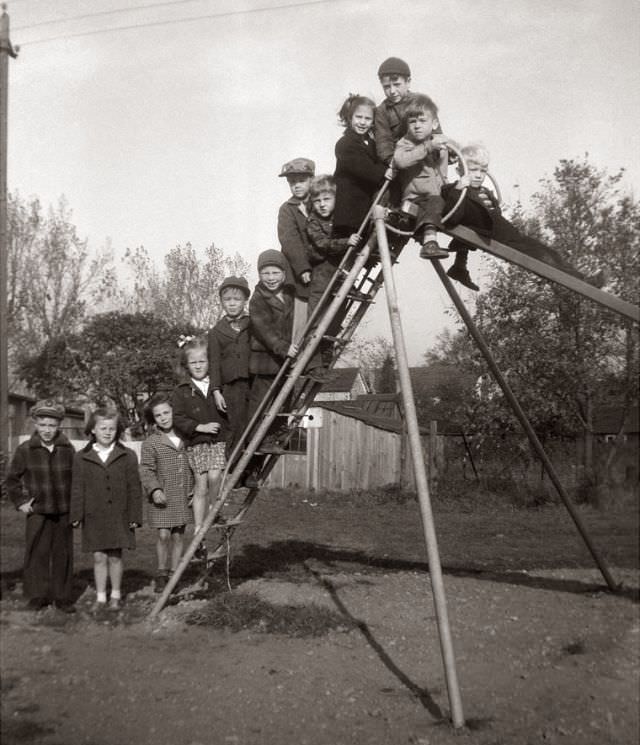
389,125
165,466
35,473
228,352
292,218
271,323
106,498
488,221
191,408
359,174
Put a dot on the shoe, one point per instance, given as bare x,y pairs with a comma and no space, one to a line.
98,608
462,275
37,603
115,603
250,481
270,446
65,606
201,552
431,250
160,581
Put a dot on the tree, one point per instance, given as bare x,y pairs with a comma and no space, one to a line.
187,290
559,352
369,356
52,281
124,357
386,376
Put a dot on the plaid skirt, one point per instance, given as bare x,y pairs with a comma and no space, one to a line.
206,456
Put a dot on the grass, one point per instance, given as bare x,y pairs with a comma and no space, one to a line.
380,530
236,611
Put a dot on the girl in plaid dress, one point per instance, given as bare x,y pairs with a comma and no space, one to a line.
167,482
196,418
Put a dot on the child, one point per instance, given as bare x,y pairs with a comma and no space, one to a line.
229,355
422,158
292,218
39,485
270,324
480,210
359,172
106,501
197,420
395,77
167,481
326,251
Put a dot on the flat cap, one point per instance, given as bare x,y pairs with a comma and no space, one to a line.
47,407
302,166
238,283
394,66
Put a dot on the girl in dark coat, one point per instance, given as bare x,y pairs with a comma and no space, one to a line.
106,500
196,418
359,173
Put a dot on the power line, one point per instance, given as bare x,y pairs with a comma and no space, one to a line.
102,13
206,16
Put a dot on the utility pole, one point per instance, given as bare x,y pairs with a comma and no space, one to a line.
6,51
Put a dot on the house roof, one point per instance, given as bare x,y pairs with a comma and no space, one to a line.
342,380
607,420
351,409
386,405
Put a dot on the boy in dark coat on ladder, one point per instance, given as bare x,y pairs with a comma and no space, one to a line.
229,356
270,324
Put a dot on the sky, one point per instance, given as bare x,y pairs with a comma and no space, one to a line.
171,131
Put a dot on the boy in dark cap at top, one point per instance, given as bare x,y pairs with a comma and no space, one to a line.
39,485
292,219
395,78
228,348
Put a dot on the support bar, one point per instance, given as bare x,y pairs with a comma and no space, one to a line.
522,418
415,443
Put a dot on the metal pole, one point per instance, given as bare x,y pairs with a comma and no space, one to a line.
526,425
6,51
415,444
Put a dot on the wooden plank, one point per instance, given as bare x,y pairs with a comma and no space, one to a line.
542,269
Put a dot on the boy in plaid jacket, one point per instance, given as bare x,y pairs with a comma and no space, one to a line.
39,485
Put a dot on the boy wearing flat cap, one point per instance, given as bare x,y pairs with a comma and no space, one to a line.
229,356
292,218
39,485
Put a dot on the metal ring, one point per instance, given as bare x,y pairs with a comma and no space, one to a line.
465,172
496,188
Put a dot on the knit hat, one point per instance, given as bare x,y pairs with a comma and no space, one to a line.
271,257
47,407
302,166
239,283
394,66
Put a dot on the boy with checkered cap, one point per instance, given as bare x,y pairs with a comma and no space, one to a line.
39,485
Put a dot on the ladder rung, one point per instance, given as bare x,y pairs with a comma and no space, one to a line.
335,339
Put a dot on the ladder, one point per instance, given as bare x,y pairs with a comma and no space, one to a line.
340,310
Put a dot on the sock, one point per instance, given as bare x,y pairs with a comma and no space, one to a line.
115,595
102,597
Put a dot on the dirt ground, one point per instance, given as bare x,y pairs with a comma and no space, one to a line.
544,653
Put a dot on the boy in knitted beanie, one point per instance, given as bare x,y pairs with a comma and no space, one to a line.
270,324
